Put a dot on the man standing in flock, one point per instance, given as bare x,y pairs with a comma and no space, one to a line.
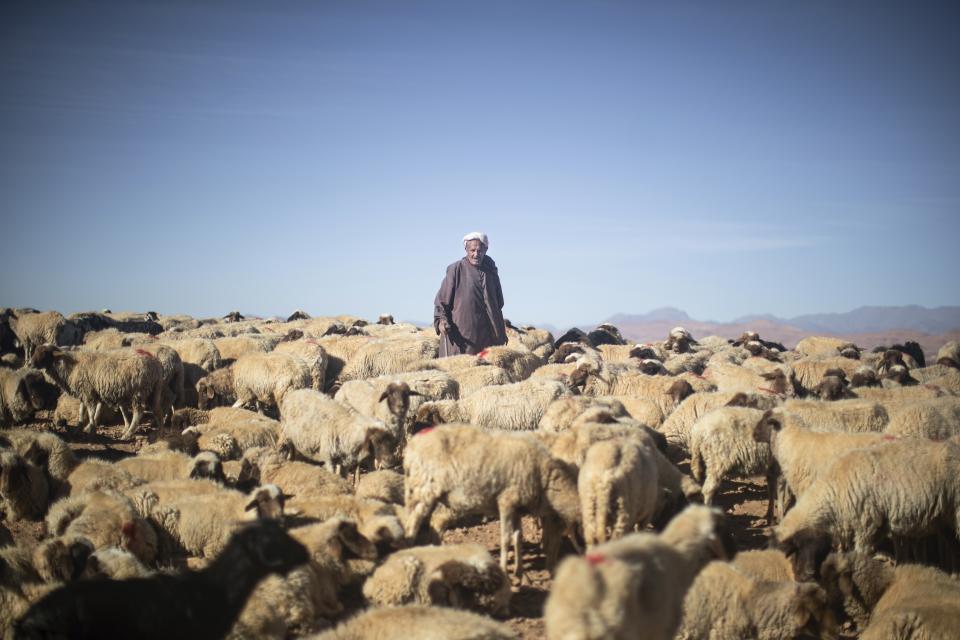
467,312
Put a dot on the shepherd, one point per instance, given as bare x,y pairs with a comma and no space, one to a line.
468,308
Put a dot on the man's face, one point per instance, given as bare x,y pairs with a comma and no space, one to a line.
475,252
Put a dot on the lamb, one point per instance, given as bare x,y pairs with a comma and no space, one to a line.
117,378
23,487
49,327
19,395
265,378
726,603
105,518
637,582
518,406
70,410
722,443
162,606
472,471
324,430
463,576
216,389
922,601
618,485
423,623
201,524
314,356
903,488
171,465
265,465
802,455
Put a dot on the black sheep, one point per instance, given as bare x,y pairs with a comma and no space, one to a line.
194,604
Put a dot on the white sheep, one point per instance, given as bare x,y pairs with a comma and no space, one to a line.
229,432
216,389
463,576
519,362
389,355
472,471
314,356
385,485
265,378
390,400
618,486
725,603
23,487
904,488
518,406
171,465
48,327
820,346
562,412
779,380
421,622
839,415
329,432
936,418
47,451
266,465
117,378
722,445
105,518
883,601
234,347
94,474
677,425
19,395
635,584
376,521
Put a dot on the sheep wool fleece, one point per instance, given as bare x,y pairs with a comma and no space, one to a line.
471,301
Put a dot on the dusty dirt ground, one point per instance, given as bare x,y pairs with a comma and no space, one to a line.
743,501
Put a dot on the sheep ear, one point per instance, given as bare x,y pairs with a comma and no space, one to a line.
415,393
384,395
253,503
208,391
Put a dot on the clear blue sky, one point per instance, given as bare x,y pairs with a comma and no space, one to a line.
725,158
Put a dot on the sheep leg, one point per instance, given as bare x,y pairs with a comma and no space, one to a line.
504,538
134,423
517,546
238,404
771,495
710,489
356,475
83,411
416,517
123,414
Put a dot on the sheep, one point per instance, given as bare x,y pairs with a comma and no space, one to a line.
854,415
191,604
722,443
23,487
378,522
265,378
421,622
265,465
19,395
384,485
809,372
234,347
679,341
463,576
937,418
677,425
116,378
635,584
340,350
389,400
70,410
917,601
623,379
324,430
726,603
229,432
114,563
802,455
472,471
618,486
189,417
216,389
47,451
519,363
199,357
472,379
49,327
890,395
539,341
106,518
949,355
388,355
517,406
173,378
313,354
765,564
562,412
820,346
171,465
780,381
94,474
201,524
903,488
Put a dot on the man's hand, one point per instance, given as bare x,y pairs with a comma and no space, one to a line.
442,327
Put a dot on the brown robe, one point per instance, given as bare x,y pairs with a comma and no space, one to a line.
471,301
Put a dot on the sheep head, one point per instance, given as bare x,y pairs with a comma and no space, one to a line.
768,425
856,581
44,356
864,377
381,445
679,390
806,549
832,388
268,502
702,534
206,464
849,350
397,394
560,490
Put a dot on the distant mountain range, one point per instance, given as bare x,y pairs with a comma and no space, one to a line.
866,326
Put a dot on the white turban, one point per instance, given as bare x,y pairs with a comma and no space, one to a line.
476,235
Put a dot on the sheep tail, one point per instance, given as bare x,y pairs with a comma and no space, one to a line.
698,468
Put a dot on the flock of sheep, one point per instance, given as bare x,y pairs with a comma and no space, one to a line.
244,425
